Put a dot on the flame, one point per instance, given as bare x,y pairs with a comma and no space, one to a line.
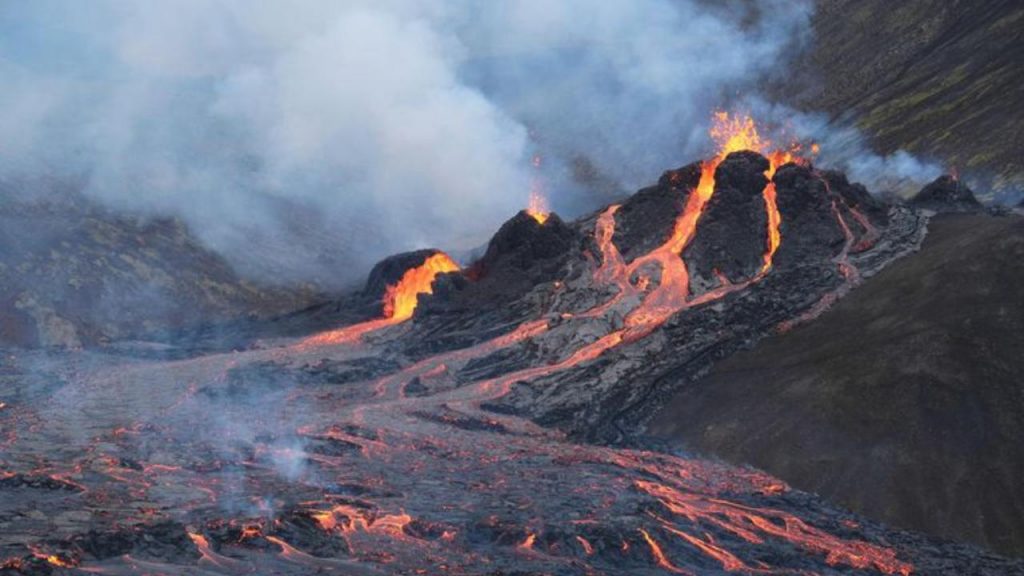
538,207
736,133
400,299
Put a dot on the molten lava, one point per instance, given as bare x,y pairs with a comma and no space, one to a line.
415,438
538,207
400,299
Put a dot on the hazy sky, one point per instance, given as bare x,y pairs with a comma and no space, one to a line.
306,139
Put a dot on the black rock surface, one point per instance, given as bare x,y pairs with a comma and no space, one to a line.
732,234
646,219
389,271
946,194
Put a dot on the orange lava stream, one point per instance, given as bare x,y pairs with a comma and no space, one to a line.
666,479
659,555
400,300
750,523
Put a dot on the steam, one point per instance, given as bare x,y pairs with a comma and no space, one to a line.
845,148
305,140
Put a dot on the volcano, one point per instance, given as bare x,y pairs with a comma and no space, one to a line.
479,419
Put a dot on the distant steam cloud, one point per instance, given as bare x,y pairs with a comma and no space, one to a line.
304,140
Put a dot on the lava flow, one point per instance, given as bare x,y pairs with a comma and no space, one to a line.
417,452
399,301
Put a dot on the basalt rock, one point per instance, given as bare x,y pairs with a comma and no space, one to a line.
809,229
732,235
522,242
522,254
389,271
946,194
646,219
857,197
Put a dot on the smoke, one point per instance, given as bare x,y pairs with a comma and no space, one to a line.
844,147
305,140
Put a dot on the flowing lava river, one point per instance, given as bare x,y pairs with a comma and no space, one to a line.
234,464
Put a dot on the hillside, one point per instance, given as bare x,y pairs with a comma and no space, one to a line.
74,274
904,402
940,78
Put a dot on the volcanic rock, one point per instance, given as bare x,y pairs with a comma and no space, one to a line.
732,234
903,402
857,197
946,194
389,271
809,229
646,219
524,253
73,274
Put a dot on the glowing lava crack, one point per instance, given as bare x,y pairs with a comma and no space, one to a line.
421,450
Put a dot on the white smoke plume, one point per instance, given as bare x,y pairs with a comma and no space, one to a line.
305,139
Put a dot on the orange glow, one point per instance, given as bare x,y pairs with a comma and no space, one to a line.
659,556
588,549
538,207
736,133
400,300
58,561
527,544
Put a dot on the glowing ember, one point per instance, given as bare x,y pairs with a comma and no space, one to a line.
538,207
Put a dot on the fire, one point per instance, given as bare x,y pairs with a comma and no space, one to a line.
736,133
400,299
538,207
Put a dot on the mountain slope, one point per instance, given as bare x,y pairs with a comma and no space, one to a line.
935,77
904,402
72,274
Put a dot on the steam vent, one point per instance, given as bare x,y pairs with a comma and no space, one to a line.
381,290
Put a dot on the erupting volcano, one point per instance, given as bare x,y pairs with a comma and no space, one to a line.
491,424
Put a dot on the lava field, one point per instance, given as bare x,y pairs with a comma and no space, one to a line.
483,420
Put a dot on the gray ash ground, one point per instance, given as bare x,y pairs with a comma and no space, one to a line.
496,432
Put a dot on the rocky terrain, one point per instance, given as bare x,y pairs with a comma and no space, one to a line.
490,428
902,402
945,85
73,274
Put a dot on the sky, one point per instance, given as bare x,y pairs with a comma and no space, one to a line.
304,140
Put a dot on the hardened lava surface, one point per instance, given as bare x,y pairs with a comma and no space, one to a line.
480,436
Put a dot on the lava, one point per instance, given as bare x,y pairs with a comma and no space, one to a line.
538,207
392,473
399,302
400,299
